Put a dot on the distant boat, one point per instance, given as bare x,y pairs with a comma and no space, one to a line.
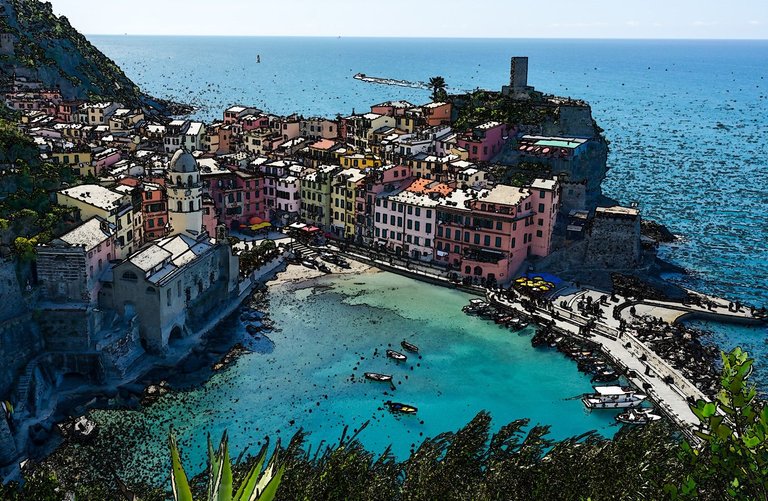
258,58
400,408
409,347
396,355
375,376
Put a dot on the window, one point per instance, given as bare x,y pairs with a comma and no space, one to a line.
417,226
418,211
512,245
151,290
130,276
178,206
466,236
487,240
428,228
498,242
542,194
498,226
541,207
541,222
477,239
427,242
539,233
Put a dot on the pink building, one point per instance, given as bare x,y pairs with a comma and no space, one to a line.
236,194
488,235
484,141
104,158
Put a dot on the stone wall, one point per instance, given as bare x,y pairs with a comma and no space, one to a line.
614,242
61,273
12,302
65,329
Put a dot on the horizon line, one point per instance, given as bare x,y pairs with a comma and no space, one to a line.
373,37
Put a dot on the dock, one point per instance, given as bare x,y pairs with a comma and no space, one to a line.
649,372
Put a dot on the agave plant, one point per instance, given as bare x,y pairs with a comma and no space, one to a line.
256,486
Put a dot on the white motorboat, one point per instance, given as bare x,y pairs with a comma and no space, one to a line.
613,397
638,416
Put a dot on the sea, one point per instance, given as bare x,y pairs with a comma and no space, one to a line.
688,130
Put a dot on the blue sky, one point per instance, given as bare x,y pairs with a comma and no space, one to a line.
423,18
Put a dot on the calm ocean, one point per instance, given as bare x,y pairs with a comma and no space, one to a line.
688,126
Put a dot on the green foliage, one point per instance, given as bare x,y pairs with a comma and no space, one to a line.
24,248
733,458
256,485
482,105
437,84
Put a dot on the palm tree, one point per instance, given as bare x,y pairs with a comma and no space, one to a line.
437,84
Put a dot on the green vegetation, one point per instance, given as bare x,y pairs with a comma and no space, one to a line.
61,57
482,105
517,462
27,216
437,84
254,486
734,459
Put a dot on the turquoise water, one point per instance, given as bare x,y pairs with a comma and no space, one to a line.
329,330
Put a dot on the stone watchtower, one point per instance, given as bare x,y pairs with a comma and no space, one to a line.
185,195
518,78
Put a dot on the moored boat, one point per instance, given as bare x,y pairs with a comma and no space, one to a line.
638,416
400,408
375,376
612,397
409,346
396,355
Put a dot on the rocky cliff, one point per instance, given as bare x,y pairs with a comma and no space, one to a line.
36,44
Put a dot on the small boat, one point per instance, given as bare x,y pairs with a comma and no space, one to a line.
308,264
638,416
375,376
342,263
612,397
396,355
323,268
401,408
409,347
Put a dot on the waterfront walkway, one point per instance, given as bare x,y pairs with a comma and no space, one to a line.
664,385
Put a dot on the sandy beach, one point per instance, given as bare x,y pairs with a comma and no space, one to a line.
296,273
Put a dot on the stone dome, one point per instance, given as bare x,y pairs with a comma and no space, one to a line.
183,161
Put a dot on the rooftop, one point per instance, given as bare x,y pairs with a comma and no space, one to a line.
505,195
89,234
95,195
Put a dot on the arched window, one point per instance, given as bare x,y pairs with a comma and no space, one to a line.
178,207
151,290
467,270
191,206
189,180
199,286
178,180
130,276
478,271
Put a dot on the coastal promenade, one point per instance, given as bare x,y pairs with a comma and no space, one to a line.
664,385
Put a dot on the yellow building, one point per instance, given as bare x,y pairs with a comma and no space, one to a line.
316,190
345,187
80,161
360,161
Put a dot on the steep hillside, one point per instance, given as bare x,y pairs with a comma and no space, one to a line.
47,48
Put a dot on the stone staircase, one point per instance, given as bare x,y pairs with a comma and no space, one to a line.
23,384
306,252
